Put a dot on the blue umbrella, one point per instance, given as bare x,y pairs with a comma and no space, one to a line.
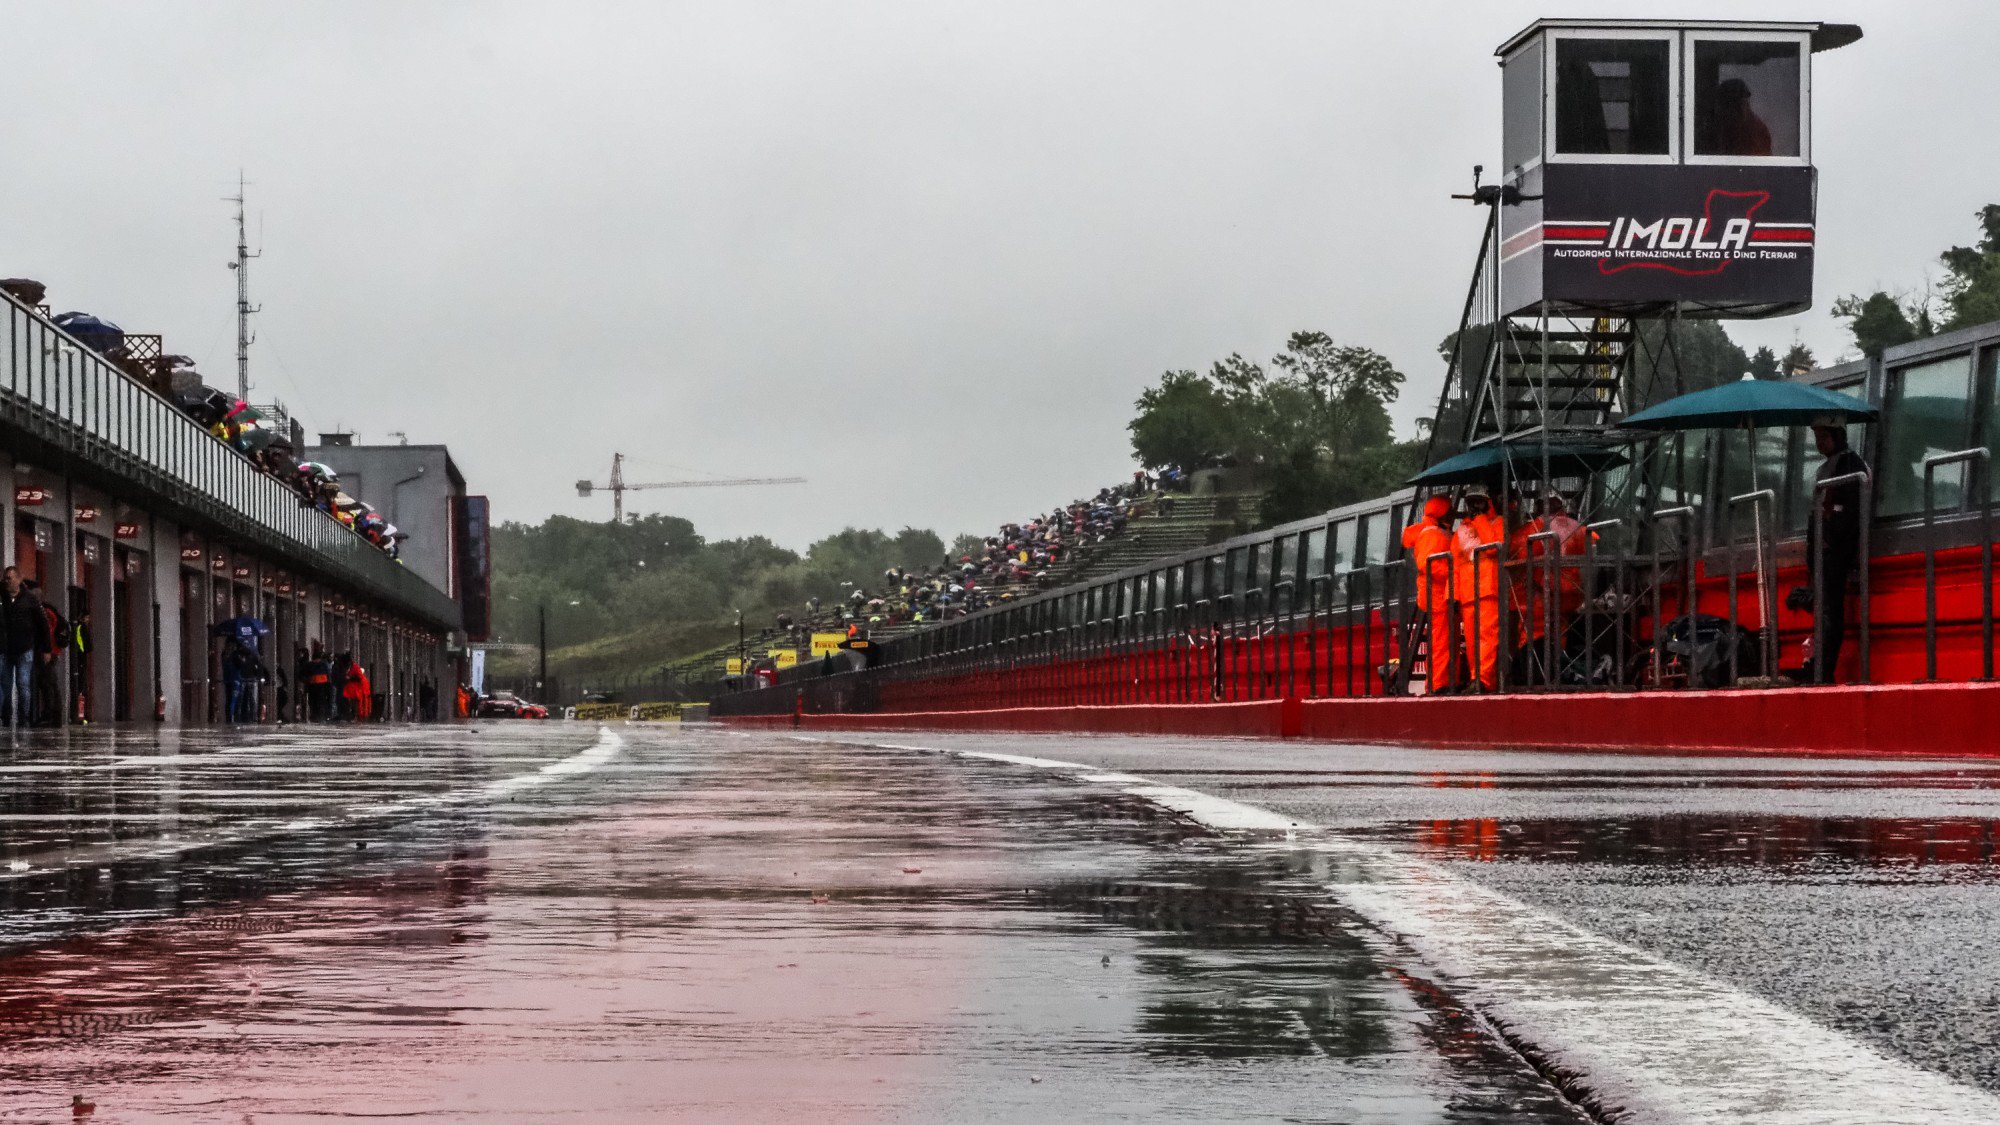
1753,403
92,332
1483,462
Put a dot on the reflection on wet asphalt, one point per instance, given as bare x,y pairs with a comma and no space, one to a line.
1861,894
540,921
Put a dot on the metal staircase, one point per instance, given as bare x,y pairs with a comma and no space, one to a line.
1511,378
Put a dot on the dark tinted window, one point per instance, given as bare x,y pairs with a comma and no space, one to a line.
1613,96
1746,98
1521,107
1925,414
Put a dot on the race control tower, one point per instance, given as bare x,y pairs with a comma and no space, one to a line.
1652,170
1659,164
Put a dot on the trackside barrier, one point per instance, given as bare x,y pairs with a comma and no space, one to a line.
1946,720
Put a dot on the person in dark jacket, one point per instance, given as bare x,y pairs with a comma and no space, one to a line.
1834,558
23,644
242,670
343,709
47,711
75,640
316,680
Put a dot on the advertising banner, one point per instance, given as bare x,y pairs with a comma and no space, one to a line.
1727,239
785,657
826,644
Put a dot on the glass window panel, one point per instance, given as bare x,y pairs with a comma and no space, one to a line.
1239,570
1925,413
1374,539
1613,97
1343,546
1746,98
1521,107
1260,567
1989,422
1315,551
1288,561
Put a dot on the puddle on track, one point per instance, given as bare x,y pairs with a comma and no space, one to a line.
701,927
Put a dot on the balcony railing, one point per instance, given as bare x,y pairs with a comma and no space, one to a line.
57,393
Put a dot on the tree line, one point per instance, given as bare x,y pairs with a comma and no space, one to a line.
1311,426
1967,294
655,575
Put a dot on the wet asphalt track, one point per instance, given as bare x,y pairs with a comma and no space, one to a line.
541,922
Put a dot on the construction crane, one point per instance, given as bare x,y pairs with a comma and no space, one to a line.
618,488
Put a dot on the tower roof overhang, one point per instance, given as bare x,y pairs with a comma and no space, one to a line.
1825,36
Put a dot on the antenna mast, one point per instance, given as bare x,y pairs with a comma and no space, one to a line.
618,488
243,306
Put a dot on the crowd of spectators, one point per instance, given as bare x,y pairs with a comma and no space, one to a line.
265,443
1018,560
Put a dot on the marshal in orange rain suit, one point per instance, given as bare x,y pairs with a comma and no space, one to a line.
1479,596
1572,540
1431,536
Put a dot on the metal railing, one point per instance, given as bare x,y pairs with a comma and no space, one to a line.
1981,458
1686,513
1590,596
1767,632
1549,595
1867,482
59,394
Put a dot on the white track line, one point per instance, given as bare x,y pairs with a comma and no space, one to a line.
608,743
1637,1039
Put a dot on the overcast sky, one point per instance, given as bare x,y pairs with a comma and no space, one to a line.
926,254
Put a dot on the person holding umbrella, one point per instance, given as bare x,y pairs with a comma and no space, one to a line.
1831,563
1753,404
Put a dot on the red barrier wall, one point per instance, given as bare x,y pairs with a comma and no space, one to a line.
1911,720
1897,720
1264,718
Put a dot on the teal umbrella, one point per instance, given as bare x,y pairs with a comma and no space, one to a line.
1754,403
1525,458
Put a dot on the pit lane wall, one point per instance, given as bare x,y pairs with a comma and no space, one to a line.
122,507
1945,720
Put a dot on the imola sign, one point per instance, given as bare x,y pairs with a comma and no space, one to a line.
1727,240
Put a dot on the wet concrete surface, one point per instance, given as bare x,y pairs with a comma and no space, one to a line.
535,922
1862,895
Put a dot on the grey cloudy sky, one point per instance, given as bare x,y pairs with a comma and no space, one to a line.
926,254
